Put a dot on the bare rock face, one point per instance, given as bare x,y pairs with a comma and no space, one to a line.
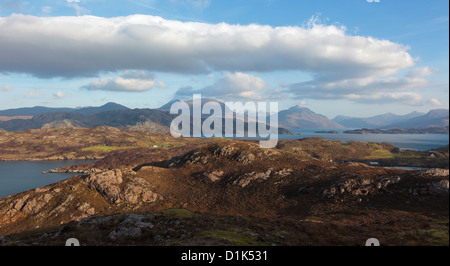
131,191
63,206
223,151
214,176
439,188
361,187
246,179
436,172
131,227
246,158
138,191
106,183
33,205
66,123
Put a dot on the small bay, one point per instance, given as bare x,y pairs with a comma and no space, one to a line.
20,176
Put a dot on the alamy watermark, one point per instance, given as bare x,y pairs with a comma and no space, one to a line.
213,119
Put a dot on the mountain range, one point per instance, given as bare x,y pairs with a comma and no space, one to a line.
434,118
374,121
158,120
31,111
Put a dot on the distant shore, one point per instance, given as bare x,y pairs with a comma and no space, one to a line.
431,130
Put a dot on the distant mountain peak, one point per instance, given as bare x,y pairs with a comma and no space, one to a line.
111,104
302,117
298,107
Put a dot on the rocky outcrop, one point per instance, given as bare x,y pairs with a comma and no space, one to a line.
360,187
131,227
213,176
439,188
107,183
436,172
73,171
32,206
132,192
149,126
137,192
66,123
246,179
243,153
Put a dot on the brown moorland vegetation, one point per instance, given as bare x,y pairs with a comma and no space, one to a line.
234,193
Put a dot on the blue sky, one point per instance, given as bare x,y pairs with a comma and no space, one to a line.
347,57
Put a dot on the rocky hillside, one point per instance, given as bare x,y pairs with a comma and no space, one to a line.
234,193
82,143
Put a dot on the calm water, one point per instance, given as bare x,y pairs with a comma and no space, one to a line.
421,142
16,177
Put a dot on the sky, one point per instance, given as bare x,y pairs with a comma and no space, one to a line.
349,57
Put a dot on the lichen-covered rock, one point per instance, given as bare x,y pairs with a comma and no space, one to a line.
284,172
246,158
130,227
214,176
32,206
246,179
106,183
436,172
439,188
128,232
361,187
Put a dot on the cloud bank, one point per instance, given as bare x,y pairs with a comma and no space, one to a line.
343,66
87,45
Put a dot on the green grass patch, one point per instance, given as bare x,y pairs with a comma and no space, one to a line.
107,148
380,154
237,239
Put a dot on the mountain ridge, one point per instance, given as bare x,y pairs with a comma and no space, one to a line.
31,111
295,117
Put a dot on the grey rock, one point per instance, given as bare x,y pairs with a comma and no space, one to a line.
436,172
214,176
33,206
246,158
245,180
128,232
106,183
439,188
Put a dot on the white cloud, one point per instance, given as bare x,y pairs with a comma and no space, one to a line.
47,9
231,86
435,102
33,94
88,45
78,9
162,85
130,81
59,95
5,87
409,98
368,89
